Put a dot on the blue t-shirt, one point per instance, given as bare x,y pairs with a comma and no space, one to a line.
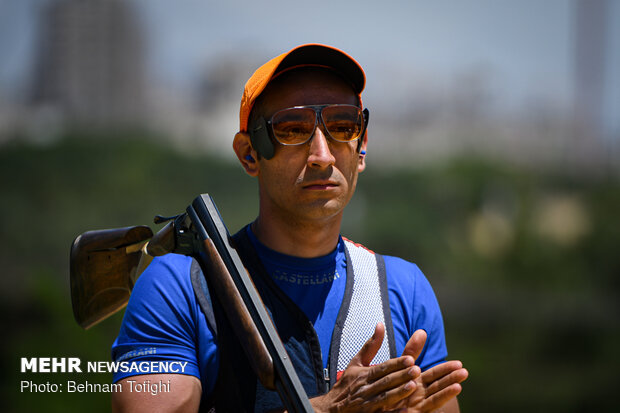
163,320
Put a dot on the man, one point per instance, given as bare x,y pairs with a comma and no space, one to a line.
353,322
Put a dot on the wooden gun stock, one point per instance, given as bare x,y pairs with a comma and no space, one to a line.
103,268
106,263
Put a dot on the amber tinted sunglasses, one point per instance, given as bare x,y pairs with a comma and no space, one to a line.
296,125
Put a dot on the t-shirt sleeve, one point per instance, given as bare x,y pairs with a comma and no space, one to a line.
428,317
161,322
414,306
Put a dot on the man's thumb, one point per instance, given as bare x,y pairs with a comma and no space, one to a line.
370,348
415,344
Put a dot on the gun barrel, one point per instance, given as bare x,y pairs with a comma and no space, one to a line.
239,316
211,230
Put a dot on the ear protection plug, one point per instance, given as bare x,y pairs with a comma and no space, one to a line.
249,158
362,152
260,139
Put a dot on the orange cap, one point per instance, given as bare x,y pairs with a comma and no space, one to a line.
304,55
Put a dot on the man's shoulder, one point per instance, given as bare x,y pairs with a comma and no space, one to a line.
163,296
170,270
401,265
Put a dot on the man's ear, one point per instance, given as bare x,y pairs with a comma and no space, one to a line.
362,155
245,153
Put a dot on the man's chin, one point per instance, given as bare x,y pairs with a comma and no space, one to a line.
325,208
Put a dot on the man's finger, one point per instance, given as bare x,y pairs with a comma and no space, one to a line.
415,344
457,376
394,396
370,348
440,398
393,372
440,370
382,400
400,363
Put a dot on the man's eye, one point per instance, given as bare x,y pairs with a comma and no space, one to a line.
343,126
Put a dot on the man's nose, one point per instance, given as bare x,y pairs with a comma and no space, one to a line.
320,155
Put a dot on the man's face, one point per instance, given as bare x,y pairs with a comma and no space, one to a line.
315,180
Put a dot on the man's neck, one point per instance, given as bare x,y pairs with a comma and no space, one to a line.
306,240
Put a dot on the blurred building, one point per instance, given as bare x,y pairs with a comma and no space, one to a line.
591,54
90,65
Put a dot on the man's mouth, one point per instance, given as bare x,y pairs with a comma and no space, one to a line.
320,185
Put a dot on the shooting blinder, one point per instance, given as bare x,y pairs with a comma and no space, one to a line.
261,142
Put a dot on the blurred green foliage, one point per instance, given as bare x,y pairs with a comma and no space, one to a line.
524,262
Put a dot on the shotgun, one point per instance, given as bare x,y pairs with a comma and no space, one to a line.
105,265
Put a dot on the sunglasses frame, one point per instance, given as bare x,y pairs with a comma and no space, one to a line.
318,110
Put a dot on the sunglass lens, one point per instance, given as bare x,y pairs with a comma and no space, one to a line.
343,122
293,126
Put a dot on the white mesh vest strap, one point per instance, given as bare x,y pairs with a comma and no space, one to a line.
364,305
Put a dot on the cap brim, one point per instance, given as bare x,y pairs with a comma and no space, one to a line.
321,55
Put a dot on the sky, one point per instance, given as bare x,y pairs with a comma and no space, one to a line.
524,46
526,41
